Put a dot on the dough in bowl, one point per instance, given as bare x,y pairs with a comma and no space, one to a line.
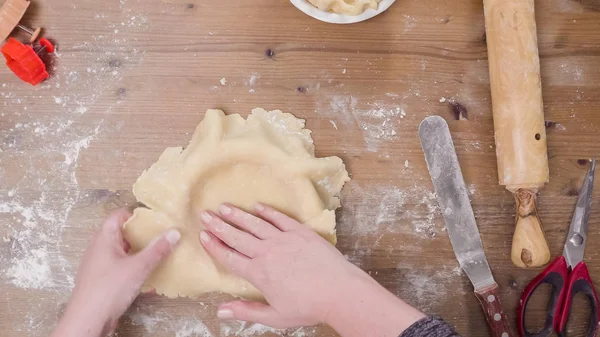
347,7
267,158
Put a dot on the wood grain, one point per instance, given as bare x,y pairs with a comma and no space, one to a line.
491,304
124,96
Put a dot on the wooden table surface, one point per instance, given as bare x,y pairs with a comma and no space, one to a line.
133,77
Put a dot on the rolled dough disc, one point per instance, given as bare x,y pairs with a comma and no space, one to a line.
267,158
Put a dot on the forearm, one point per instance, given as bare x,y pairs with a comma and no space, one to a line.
80,320
368,309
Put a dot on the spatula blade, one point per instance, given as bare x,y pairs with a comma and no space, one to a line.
454,200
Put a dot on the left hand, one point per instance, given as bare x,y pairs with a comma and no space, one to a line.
109,280
305,280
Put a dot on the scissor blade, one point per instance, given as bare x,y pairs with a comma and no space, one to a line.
575,245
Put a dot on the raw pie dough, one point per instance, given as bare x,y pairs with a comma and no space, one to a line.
268,158
348,7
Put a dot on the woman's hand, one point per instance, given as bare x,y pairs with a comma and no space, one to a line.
305,280
108,280
295,269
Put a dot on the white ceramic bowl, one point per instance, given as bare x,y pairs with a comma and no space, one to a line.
318,14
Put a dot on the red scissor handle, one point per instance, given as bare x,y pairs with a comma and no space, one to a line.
556,275
579,282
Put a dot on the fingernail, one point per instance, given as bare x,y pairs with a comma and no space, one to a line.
259,207
225,314
206,217
173,237
224,209
204,237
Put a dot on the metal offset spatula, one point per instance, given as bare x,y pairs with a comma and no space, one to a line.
460,222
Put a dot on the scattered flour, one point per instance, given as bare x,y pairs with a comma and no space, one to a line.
560,127
425,227
243,329
192,327
424,286
163,322
251,81
409,23
472,189
147,321
379,122
377,214
342,106
575,71
32,271
388,208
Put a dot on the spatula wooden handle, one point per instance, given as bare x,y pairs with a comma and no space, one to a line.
494,314
518,115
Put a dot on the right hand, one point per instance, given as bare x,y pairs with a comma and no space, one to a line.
109,280
302,276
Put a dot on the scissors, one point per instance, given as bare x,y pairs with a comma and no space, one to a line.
568,274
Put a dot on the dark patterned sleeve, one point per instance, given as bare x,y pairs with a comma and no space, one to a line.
430,327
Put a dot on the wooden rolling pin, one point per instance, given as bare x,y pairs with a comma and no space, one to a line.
519,120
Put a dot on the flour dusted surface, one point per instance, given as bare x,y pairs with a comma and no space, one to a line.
154,322
40,156
45,212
